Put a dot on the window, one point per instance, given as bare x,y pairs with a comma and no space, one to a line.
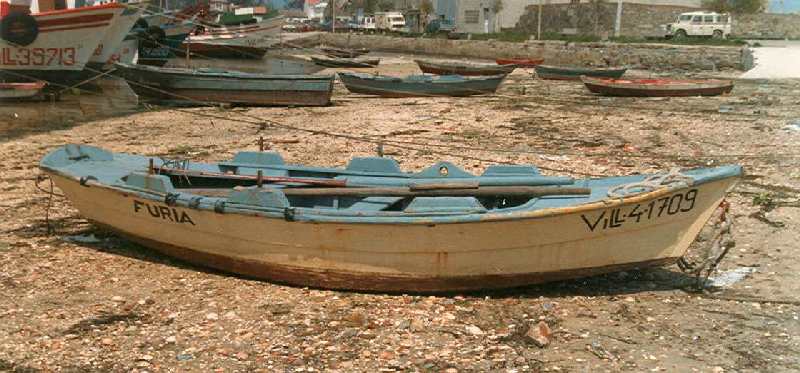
723,19
685,18
697,19
708,19
471,16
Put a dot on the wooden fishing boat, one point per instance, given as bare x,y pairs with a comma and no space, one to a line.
371,226
575,73
346,62
520,62
344,52
657,87
250,41
463,68
420,85
21,91
209,86
55,46
109,50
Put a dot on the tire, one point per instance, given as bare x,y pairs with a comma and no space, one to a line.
717,34
680,34
19,28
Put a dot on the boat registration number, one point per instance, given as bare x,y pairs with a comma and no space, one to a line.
37,56
617,217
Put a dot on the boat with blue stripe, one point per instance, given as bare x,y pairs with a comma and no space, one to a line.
372,226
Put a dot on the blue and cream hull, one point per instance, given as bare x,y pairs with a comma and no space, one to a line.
397,251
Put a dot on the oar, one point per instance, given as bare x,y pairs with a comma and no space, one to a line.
266,179
525,191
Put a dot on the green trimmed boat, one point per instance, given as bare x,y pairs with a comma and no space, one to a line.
212,86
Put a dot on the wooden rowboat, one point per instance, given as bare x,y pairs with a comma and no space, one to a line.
520,62
575,73
657,87
21,91
208,86
463,238
346,62
344,52
420,85
463,68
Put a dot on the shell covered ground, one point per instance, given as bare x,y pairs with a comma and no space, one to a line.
79,299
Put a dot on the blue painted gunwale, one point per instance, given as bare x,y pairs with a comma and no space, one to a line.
108,174
420,85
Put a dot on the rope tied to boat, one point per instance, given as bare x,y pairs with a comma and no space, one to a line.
719,245
673,177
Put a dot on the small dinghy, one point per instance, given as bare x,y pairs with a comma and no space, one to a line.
463,68
371,226
520,62
346,62
575,73
21,91
420,85
210,86
344,52
657,87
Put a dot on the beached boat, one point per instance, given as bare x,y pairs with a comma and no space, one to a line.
162,34
371,226
658,87
520,62
109,50
55,46
420,85
575,73
249,41
463,68
344,52
208,86
346,62
21,91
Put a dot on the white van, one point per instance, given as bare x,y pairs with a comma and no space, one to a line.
716,25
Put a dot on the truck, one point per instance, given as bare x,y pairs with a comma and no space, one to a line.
708,24
390,21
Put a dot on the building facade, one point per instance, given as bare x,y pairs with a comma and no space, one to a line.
470,16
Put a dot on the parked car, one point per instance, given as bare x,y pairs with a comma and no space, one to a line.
708,24
440,26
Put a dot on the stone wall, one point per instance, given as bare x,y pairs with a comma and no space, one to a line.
769,26
638,20
654,57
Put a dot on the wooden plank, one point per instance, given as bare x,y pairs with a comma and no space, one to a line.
407,192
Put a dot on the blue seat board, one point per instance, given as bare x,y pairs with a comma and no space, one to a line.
374,164
262,197
444,204
258,158
442,170
374,203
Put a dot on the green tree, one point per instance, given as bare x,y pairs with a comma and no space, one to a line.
385,5
736,6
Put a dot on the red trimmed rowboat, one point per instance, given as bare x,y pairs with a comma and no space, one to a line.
59,46
521,62
657,87
20,91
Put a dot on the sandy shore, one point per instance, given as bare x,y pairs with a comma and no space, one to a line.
109,305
